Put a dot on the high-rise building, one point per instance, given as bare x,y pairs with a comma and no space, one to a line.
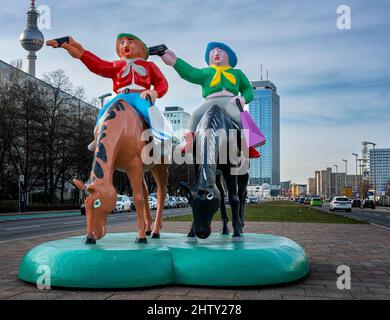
311,186
265,111
178,118
379,170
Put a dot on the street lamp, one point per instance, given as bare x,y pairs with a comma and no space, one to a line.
356,156
336,180
374,167
104,96
346,172
356,163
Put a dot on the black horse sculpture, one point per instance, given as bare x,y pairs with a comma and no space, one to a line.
207,195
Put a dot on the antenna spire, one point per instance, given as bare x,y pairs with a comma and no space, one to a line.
261,72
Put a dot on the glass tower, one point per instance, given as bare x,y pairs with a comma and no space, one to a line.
379,170
265,111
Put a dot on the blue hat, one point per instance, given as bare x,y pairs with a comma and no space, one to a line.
231,54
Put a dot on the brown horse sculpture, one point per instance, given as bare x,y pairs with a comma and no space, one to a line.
119,147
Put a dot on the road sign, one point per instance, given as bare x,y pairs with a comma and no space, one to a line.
347,192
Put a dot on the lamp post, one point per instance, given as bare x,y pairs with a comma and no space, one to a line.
374,167
346,172
104,96
336,180
356,163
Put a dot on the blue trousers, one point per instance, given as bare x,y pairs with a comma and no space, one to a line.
133,99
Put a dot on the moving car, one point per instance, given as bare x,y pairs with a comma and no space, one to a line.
316,202
356,203
367,203
340,203
123,203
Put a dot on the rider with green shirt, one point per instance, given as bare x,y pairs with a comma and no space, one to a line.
221,84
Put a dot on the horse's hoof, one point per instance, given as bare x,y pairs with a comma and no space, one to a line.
89,240
191,239
224,232
148,233
237,238
155,236
141,240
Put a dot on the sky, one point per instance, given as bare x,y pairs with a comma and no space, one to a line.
333,84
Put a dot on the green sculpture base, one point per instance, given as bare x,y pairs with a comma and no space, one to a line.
117,262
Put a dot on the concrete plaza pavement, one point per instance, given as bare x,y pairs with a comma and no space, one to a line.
364,248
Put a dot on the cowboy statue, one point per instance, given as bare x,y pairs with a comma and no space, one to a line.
132,75
221,84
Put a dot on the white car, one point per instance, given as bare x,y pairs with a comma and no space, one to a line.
152,203
123,203
340,203
171,202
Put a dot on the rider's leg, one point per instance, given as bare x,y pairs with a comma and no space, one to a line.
140,104
234,113
92,145
185,146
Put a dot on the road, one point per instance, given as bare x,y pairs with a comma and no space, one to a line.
379,216
38,226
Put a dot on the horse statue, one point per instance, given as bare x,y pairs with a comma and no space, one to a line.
119,147
206,195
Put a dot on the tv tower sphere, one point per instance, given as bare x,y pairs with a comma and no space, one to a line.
32,38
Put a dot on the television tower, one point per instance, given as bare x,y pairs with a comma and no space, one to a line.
31,38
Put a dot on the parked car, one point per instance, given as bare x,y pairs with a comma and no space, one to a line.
152,203
340,203
123,203
179,202
132,206
301,200
356,203
367,203
185,201
316,202
171,202
296,200
166,203
306,201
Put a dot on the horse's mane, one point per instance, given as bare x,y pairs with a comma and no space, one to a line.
109,115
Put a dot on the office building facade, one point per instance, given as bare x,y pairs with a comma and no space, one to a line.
178,118
379,170
265,111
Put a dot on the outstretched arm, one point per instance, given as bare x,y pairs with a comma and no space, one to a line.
93,63
74,48
184,69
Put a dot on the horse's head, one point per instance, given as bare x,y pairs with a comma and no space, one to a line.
98,205
205,203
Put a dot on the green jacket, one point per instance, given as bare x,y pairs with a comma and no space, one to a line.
204,77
